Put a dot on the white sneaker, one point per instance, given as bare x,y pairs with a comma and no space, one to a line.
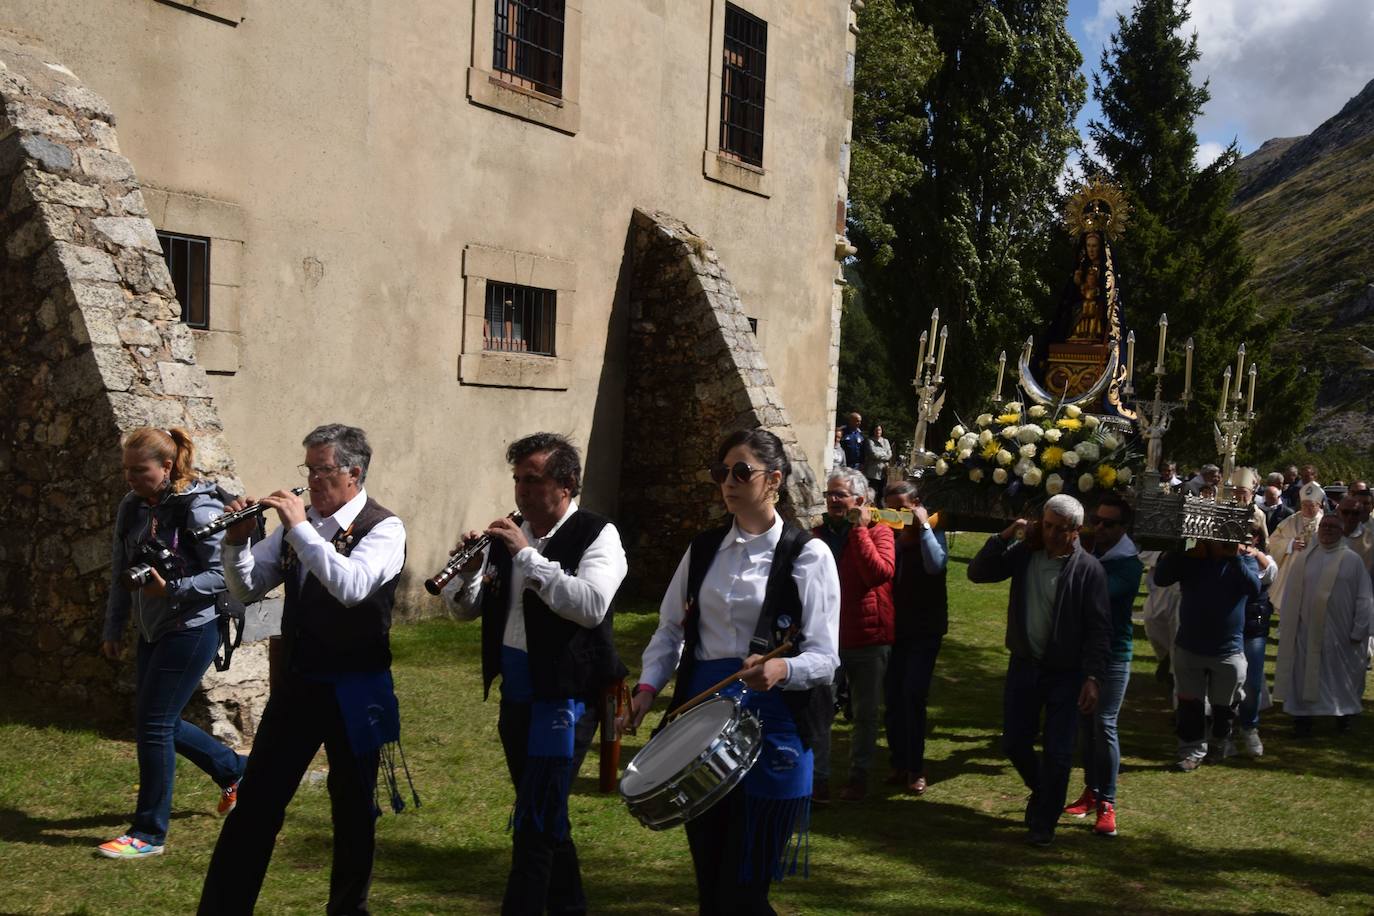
1253,746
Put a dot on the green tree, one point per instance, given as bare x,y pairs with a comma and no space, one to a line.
1182,254
952,197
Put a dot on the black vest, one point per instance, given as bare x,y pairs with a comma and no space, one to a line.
920,600
780,598
566,659
320,634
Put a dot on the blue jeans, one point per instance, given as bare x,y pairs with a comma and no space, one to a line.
1031,690
909,673
1254,680
169,670
1101,747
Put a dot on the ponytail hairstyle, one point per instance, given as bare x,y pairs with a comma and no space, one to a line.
769,450
173,444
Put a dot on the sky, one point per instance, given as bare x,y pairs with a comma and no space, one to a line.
1277,68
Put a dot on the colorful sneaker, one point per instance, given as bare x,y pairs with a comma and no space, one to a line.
1086,802
1189,764
228,799
127,847
1253,746
1106,819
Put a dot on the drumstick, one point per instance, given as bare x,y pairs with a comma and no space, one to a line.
721,685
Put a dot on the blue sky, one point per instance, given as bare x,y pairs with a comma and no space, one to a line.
1277,68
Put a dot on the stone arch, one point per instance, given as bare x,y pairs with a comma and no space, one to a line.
94,348
695,373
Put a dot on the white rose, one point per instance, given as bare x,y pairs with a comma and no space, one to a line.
985,437
1124,475
1073,411
1022,466
956,432
975,475
999,476
965,454
1110,443
1012,407
1009,432
1027,451
942,467
1070,459
1037,411
1054,484
1085,483
1032,477
1088,451
1030,433
984,419
1004,457
1054,435
968,440
1090,422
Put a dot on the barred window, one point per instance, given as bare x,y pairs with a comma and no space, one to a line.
741,93
519,319
188,260
529,44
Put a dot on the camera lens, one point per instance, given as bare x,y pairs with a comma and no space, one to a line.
137,576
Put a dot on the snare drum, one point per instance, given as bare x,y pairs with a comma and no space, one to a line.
692,763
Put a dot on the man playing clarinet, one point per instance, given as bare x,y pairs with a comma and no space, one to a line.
339,561
543,588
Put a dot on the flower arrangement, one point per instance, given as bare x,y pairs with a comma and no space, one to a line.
1025,455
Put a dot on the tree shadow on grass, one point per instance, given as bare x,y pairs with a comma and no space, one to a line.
20,827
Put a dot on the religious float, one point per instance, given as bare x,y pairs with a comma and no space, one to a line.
1075,422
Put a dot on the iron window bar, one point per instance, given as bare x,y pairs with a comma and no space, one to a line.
519,319
742,86
188,261
528,47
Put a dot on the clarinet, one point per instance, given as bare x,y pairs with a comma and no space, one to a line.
221,522
460,559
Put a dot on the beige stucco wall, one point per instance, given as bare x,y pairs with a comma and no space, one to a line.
347,172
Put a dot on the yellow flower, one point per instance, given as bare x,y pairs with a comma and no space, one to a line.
1009,418
1067,423
949,445
1106,476
990,450
1052,457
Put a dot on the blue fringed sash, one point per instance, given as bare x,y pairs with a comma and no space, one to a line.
777,789
541,798
372,719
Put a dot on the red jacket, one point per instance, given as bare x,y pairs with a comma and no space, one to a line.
866,565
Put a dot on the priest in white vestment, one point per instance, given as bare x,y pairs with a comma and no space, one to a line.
1324,629
1294,535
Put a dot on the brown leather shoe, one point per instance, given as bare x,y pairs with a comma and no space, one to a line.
917,786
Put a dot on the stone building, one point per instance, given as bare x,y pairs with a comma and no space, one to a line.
421,219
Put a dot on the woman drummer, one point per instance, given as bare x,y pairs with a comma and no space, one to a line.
721,613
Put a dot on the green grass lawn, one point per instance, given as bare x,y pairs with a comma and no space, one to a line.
1291,832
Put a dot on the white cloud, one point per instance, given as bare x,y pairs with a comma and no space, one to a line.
1207,153
1276,68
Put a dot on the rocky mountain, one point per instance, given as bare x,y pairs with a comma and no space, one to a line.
1307,208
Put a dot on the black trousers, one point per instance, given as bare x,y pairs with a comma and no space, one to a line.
716,838
544,875
300,716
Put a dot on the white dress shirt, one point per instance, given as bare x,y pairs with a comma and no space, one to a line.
731,599
374,560
582,598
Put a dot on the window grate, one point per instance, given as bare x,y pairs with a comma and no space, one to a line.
742,86
188,260
519,319
529,44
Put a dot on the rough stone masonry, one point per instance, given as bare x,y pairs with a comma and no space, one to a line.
94,347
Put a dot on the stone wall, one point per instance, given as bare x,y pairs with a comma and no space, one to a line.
694,374
93,348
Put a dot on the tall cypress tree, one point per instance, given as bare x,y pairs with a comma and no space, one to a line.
1182,254
965,221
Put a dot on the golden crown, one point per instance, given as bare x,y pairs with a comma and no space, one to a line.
1099,206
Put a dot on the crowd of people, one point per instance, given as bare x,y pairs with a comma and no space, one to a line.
851,614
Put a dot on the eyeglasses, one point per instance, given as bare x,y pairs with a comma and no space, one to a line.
317,470
838,494
741,471
1101,522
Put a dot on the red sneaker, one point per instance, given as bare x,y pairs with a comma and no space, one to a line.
1106,819
228,799
1086,802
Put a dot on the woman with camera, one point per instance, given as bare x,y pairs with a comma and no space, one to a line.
170,581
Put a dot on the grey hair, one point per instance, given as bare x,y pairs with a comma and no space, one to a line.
854,480
1067,508
1210,468
351,449
1274,479
903,489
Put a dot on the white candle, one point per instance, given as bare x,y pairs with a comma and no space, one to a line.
1188,369
1250,405
922,357
1240,367
1001,367
934,326
940,361
1163,330
1225,386
1130,359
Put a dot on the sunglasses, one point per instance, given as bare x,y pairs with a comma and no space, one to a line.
741,471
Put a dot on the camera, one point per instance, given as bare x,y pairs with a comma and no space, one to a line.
151,555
